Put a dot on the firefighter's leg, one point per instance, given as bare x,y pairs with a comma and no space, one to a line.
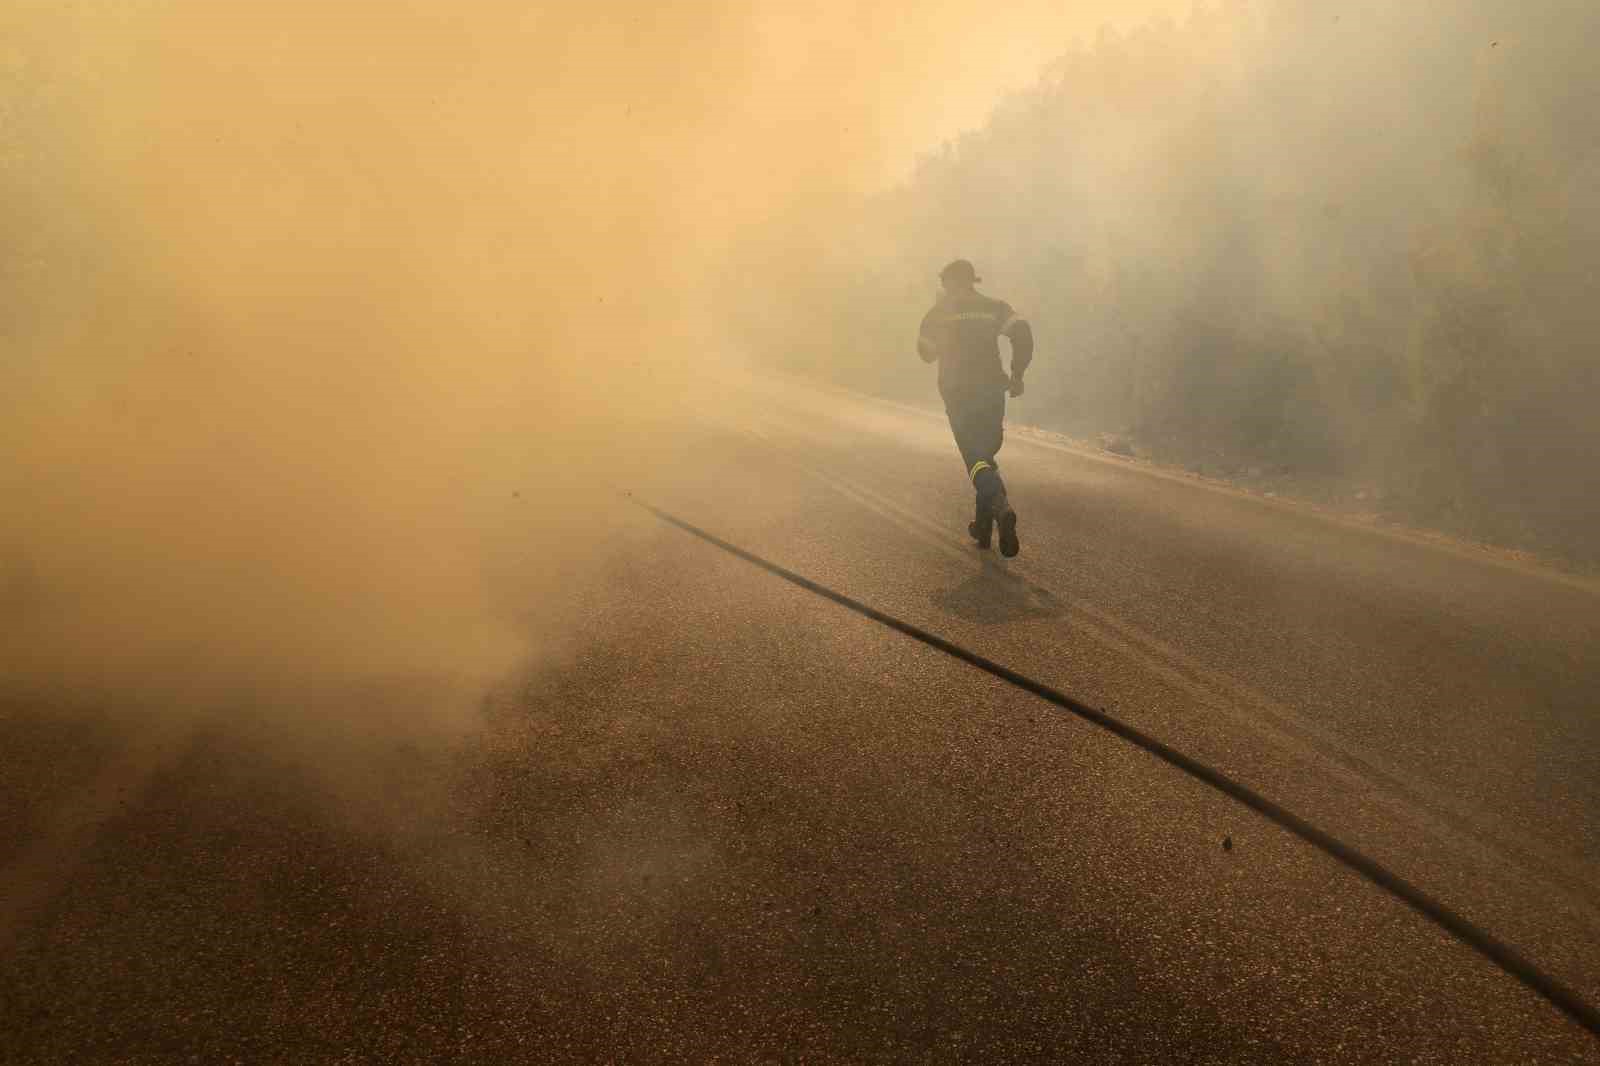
962,425
985,435
975,421
979,435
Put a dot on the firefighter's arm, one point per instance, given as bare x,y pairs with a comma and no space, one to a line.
1017,330
927,343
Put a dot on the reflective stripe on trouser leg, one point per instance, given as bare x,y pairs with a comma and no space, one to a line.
979,467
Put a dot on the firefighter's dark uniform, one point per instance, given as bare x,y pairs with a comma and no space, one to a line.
962,333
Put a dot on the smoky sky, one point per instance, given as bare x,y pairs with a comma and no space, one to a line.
313,309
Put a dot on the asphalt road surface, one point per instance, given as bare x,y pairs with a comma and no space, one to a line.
732,821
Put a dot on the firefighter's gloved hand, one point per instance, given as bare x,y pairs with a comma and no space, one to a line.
1016,385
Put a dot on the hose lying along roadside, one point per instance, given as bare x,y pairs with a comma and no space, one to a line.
1480,940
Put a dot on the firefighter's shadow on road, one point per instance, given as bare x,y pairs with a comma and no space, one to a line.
994,595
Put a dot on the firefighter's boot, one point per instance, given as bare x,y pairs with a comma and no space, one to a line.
1006,519
994,505
982,525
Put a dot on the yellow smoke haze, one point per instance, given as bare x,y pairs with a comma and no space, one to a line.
322,318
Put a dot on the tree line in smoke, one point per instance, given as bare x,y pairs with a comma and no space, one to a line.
1359,244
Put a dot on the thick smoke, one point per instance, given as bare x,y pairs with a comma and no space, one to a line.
322,318
326,321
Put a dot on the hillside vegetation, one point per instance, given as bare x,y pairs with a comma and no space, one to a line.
1357,244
